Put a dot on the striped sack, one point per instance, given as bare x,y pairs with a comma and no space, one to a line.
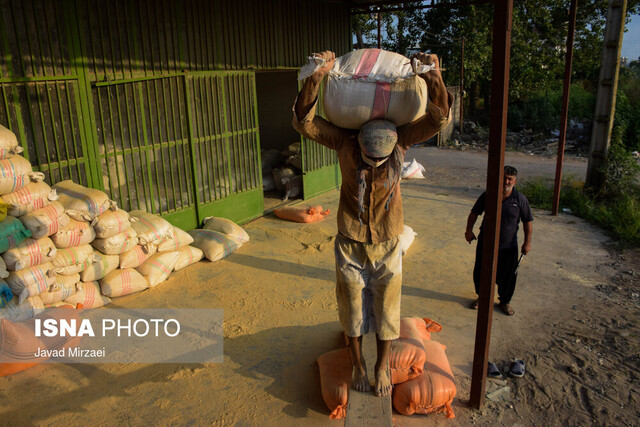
46,221
31,281
188,255
111,223
151,228
15,173
100,267
70,261
157,268
118,244
82,203
215,245
62,288
29,253
16,311
88,295
30,198
122,282
76,233
135,257
9,145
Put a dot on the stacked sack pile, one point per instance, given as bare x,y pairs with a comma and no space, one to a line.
71,245
282,170
420,373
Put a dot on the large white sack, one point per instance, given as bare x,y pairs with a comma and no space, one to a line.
46,221
157,268
100,267
406,238
31,281
136,256
29,253
412,170
369,84
150,228
214,244
118,244
9,145
83,203
73,260
111,223
15,173
62,288
188,255
76,233
122,282
88,295
180,238
30,198
226,226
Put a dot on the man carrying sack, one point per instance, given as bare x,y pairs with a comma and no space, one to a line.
370,220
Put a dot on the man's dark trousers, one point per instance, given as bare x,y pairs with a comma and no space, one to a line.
506,280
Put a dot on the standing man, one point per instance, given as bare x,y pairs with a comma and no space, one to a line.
367,247
515,207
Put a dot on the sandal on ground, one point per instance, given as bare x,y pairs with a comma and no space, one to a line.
506,309
517,368
493,371
474,305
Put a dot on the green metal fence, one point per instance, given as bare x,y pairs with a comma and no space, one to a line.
154,101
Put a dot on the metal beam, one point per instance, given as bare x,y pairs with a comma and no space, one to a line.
502,18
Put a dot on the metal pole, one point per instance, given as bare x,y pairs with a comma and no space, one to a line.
379,29
461,84
565,107
502,13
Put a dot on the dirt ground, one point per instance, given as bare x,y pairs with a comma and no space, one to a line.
576,323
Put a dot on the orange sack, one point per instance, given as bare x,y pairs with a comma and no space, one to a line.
431,392
302,214
407,355
19,344
335,381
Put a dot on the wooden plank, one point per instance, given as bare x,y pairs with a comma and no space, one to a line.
367,409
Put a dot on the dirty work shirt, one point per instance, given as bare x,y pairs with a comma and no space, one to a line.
379,222
369,287
514,208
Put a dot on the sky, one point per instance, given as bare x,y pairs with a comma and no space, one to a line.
631,39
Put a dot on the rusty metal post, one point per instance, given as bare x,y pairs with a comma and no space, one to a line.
461,84
502,13
565,107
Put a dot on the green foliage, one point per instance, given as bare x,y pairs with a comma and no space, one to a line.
626,129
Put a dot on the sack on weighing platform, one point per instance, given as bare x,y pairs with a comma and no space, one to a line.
88,296
62,288
100,267
16,173
157,268
9,145
76,233
30,198
214,244
335,381
188,255
46,221
118,244
369,84
29,253
111,223
122,282
302,214
16,311
70,261
226,226
135,257
150,228
431,392
83,203
180,238
406,238
412,170
12,233
31,281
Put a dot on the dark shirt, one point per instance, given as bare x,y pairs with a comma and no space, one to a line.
514,208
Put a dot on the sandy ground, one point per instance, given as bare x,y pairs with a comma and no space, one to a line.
576,323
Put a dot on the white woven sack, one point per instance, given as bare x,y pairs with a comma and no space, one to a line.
62,288
412,170
214,244
111,223
17,311
88,295
101,266
188,255
406,238
73,260
180,238
157,268
3,269
29,253
122,282
369,84
118,244
76,233
46,221
151,228
31,281
226,226
9,145
16,173
136,256
30,198
83,203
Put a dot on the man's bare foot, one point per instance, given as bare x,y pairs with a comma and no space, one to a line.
383,382
360,380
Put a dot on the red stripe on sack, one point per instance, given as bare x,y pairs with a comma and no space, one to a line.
89,295
381,100
126,283
367,61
